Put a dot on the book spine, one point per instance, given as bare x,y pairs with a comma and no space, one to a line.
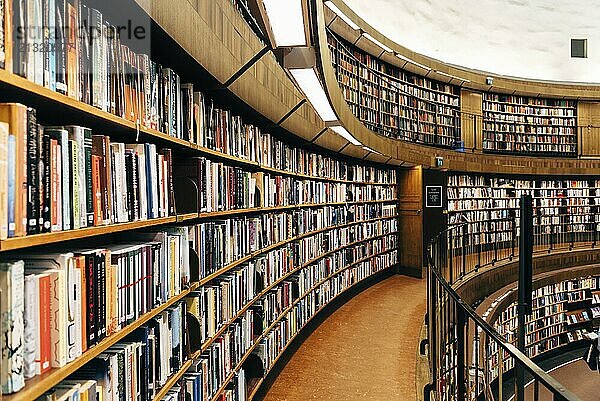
98,215
72,50
20,129
4,133
33,199
61,45
55,186
81,175
90,265
46,214
65,177
135,204
74,184
29,320
80,265
43,362
51,49
90,194
102,296
12,307
3,33
11,184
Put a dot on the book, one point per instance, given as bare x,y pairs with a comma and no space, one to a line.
16,116
4,134
12,325
31,319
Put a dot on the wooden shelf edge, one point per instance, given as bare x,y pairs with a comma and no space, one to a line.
27,241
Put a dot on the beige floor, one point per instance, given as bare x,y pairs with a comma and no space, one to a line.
577,378
364,351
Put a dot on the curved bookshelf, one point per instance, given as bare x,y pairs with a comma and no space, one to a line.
472,87
37,386
394,102
549,327
353,231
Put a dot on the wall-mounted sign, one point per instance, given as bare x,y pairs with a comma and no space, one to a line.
433,196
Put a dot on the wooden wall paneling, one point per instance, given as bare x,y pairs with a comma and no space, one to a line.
471,106
487,281
304,122
354,151
588,121
376,157
410,221
330,140
267,89
211,24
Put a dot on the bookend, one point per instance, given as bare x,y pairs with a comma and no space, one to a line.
187,200
194,265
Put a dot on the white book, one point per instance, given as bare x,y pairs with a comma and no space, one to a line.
12,326
153,180
64,172
160,182
123,178
77,134
32,325
75,304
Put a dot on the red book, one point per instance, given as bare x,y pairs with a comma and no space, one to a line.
45,347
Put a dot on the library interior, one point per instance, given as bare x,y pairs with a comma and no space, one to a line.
293,200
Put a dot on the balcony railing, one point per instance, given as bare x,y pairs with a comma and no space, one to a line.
459,338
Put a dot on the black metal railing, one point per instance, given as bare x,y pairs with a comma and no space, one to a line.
462,367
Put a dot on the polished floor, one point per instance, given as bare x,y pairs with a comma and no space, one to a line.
366,350
575,376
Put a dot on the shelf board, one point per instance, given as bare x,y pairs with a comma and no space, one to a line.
61,236
38,385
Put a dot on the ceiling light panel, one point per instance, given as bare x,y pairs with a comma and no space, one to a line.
313,90
286,19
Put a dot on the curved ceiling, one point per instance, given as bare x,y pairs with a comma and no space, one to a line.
520,38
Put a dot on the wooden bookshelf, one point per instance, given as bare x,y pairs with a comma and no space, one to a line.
256,341
544,331
59,109
524,125
25,242
37,386
566,209
394,102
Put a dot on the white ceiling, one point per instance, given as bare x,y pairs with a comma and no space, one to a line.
522,38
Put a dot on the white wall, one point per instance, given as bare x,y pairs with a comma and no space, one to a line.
522,38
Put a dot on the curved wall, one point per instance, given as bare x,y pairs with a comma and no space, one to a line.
529,39
425,155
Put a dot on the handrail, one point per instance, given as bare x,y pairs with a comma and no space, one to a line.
456,333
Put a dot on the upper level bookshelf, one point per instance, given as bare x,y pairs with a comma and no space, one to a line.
522,125
394,102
